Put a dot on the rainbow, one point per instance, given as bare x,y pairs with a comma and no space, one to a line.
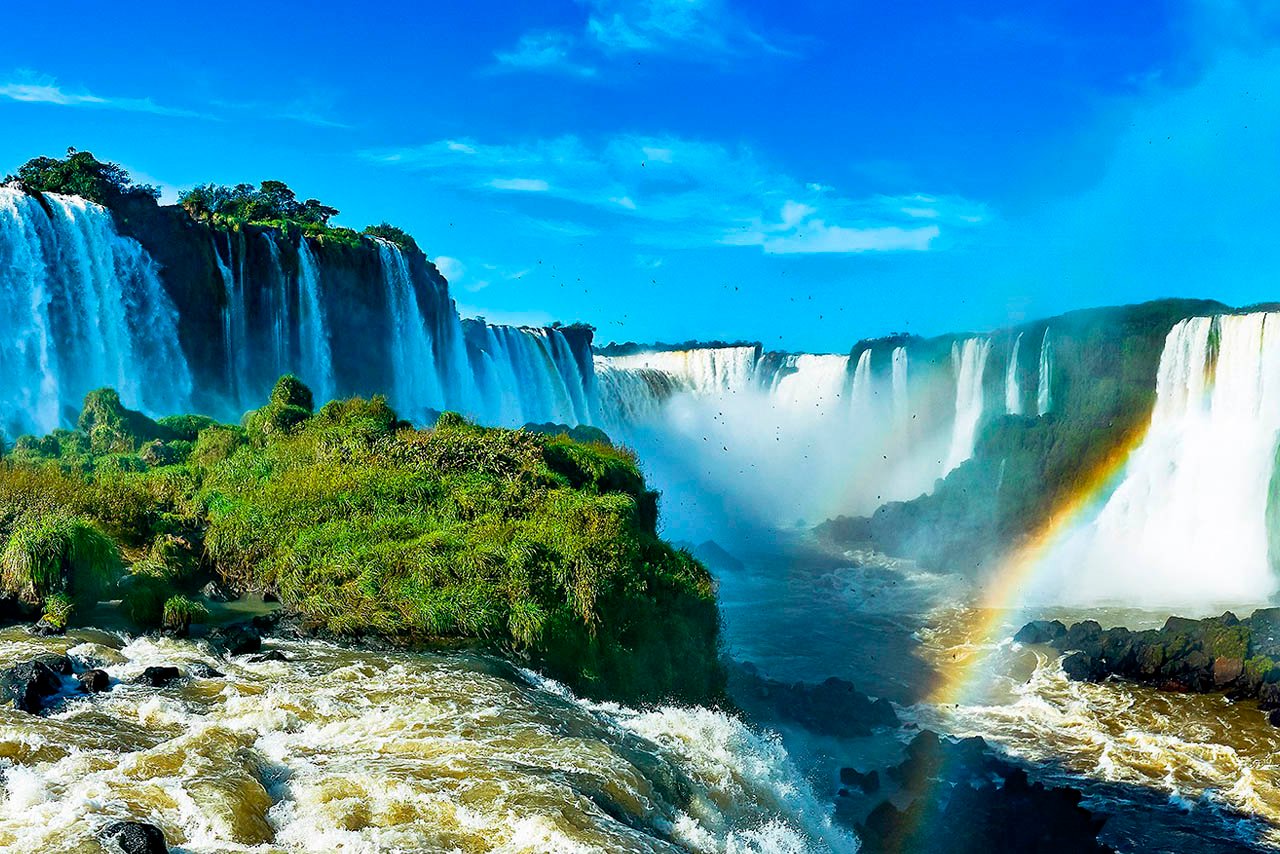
963,677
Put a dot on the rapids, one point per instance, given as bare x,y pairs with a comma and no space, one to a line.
345,750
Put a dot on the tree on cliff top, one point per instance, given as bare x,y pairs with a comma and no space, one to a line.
270,201
80,174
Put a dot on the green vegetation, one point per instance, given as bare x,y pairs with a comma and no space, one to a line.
53,554
1025,467
398,236
79,174
180,612
532,544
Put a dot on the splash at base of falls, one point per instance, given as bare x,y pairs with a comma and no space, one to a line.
339,749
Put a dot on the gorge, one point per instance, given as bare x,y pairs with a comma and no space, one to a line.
846,503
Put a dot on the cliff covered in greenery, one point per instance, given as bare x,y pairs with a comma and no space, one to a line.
531,544
1024,467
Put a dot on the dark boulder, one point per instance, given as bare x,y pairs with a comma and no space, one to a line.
45,629
25,686
1082,667
56,662
94,681
158,677
270,655
204,671
833,707
214,591
869,782
133,837
1041,631
235,639
1273,717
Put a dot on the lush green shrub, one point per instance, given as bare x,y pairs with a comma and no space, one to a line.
532,544
55,553
80,174
180,612
57,610
398,236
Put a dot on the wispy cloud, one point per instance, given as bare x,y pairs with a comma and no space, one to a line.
672,191
706,31
545,50
31,88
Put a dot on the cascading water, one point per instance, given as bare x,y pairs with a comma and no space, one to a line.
80,307
1044,390
1012,390
528,375
315,358
901,400
235,321
1188,523
860,391
969,360
415,375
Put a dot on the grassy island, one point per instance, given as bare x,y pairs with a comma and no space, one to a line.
531,544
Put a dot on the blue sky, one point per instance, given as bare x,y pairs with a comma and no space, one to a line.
804,174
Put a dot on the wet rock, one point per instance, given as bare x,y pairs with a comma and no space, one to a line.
1082,667
1041,631
215,591
204,671
158,677
991,806
1273,717
133,837
56,662
235,639
869,782
94,681
45,629
270,655
833,707
25,686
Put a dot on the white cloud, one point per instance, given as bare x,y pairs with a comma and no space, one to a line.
451,268
690,30
546,50
692,193
30,88
520,185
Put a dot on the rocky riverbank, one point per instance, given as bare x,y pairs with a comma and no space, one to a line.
1237,657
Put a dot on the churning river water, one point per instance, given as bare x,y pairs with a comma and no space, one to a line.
339,749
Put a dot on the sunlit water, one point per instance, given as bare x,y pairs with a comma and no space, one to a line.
354,751
1174,772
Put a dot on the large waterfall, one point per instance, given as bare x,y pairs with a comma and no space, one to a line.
1044,388
1188,522
970,360
733,432
1012,387
315,354
80,307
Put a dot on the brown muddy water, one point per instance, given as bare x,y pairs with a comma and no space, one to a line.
354,751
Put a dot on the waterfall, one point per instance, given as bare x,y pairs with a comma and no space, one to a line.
415,376
80,307
1188,522
705,370
528,376
814,381
1012,391
1044,396
901,402
235,323
969,361
315,357
860,391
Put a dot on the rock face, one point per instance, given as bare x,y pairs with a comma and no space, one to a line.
834,707
966,800
158,677
1238,657
133,837
94,681
26,686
